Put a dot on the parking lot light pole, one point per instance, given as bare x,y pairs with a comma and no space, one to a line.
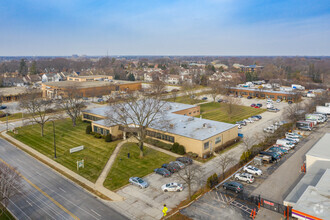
54,139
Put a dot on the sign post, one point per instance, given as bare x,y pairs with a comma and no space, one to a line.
80,163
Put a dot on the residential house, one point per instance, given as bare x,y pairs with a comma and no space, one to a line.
51,77
13,81
174,79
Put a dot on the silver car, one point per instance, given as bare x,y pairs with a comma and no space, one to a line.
178,163
139,182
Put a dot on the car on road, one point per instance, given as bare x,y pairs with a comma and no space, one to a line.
259,104
3,107
162,171
245,177
170,167
204,98
172,187
138,182
252,170
178,163
249,97
185,160
233,186
253,105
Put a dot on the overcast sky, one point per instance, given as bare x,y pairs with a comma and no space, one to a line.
164,27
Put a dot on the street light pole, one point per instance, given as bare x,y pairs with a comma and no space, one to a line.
54,140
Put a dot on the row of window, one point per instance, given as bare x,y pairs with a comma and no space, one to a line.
101,130
207,144
193,112
160,136
91,117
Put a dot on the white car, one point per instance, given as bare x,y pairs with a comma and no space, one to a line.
174,187
252,170
293,134
248,120
245,177
239,126
178,163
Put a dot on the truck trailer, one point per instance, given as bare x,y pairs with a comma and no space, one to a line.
323,109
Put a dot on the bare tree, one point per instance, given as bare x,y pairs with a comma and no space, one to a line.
190,174
37,107
188,88
136,114
248,143
72,104
215,89
232,103
225,161
174,94
158,87
294,112
10,184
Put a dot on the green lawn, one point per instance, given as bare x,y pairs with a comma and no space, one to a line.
218,112
124,168
14,116
95,154
6,215
185,100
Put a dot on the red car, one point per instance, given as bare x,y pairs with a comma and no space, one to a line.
256,106
253,105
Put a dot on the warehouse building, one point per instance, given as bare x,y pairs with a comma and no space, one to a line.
310,198
197,135
87,88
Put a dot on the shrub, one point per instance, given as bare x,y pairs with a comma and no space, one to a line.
192,155
97,135
108,138
88,129
212,181
175,147
159,144
245,156
181,150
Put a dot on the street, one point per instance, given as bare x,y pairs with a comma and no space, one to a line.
47,195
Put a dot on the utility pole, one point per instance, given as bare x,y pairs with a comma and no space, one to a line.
54,140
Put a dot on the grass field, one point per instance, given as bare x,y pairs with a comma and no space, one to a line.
185,100
124,168
6,215
11,117
218,112
95,154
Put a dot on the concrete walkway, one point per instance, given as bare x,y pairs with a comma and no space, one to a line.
42,158
106,169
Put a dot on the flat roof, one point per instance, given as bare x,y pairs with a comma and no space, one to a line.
310,178
87,84
262,90
89,77
321,148
11,91
315,201
187,126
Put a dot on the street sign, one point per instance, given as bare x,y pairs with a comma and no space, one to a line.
80,164
75,149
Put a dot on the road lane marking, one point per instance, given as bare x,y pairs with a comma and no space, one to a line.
62,189
38,173
40,190
28,202
95,212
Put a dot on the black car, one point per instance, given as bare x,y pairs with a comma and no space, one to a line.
290,102
3,107
233,186
249,97
162,171
185,160
170,167
204,98
259,104
220,100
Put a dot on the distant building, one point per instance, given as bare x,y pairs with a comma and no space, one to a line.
173,79
13,94
245,69
51,77
13,81
89,78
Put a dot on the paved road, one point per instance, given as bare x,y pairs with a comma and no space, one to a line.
47,195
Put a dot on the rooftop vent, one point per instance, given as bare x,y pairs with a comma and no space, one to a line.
171,125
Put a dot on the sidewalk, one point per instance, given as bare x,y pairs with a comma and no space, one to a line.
112,195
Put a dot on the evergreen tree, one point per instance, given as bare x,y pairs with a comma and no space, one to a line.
23,69
131,77
33,68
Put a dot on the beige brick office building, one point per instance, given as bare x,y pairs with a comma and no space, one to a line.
197,135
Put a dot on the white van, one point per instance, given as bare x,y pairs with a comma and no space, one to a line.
285,143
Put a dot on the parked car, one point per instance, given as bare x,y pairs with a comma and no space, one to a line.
291,134
305,128
204,98
275,157
248,120
255,118
253,105
258,116
239,126
278,100
256,106
259,104
252,170
3,107
245,177
234,186
293,140
178,163
84,98
138,182
220,100
100,100
170,167
162,171
290,102
275,148
273,109
249,97
241,123
172,187
185,160
240,96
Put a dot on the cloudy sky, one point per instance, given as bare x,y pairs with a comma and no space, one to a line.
164,27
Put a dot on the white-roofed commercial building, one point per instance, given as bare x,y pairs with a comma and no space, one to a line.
197,135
